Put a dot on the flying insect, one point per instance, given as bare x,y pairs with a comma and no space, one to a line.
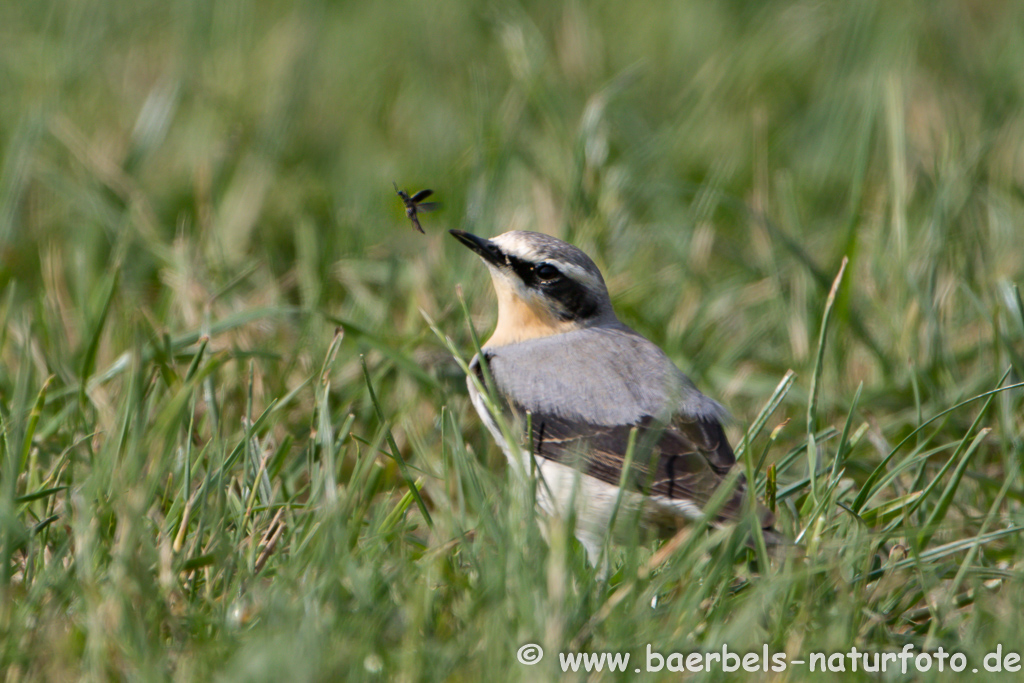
415,204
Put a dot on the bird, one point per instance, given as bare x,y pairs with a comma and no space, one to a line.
560,355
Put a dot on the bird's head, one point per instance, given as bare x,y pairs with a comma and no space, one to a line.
545,286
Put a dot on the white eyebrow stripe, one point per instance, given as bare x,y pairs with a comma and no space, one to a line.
521,246
581,275
515,245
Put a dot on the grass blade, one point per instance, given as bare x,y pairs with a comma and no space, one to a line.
395,453
812,403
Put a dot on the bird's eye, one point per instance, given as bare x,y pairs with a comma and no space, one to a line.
546,271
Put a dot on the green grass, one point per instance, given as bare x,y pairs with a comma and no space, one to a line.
200,247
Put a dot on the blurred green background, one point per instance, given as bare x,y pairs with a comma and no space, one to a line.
178,169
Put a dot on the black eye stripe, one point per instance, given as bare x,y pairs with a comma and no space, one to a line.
526,270
576,302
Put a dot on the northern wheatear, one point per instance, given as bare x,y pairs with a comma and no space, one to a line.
587,380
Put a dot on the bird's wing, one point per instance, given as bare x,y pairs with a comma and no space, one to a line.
671,461
585,392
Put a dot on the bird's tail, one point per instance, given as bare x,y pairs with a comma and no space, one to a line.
775,538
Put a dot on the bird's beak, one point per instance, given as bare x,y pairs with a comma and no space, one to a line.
487,249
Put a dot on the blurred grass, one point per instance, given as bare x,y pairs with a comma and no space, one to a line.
194,196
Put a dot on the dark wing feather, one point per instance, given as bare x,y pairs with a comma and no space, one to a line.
676,461
709,438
